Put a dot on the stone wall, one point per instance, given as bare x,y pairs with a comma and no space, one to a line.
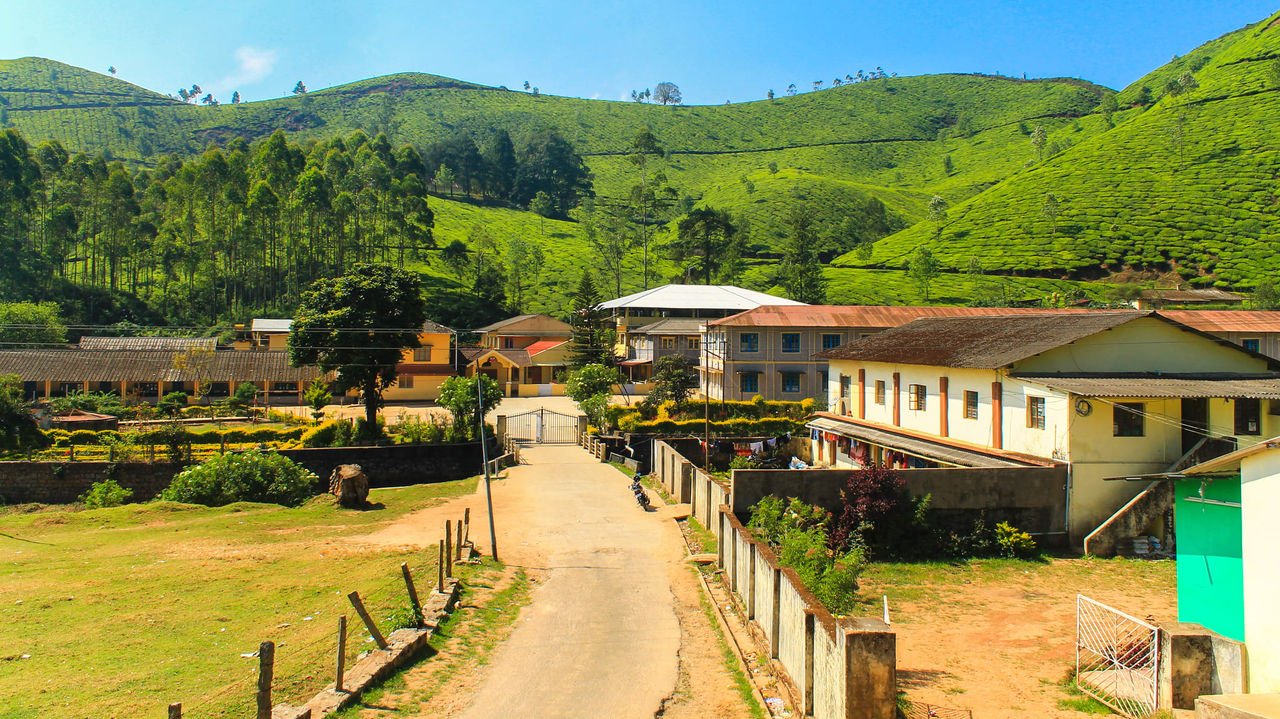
400,465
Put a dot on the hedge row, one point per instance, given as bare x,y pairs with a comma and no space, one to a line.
79,437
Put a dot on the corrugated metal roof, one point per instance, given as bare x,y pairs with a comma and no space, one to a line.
672,326
869,316
1227,320
270,326
696,297
978,342
148,343
78,365
1166,385
948,453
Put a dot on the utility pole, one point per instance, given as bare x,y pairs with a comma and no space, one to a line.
484,454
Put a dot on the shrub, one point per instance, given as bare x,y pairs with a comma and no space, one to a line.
106,493
413,430
172,403
251,476
83,436
798,531
1015,543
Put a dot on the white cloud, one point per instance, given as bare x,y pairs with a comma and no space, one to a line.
252,65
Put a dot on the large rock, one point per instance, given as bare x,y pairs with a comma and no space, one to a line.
349,485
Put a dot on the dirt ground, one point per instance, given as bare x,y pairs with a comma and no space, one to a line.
997,638
599,632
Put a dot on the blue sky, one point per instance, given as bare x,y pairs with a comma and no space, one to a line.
715,51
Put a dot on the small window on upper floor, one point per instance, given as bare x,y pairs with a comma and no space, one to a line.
422,354
1035,412
1127,419
916,394
846,385
790,341
1250,343
1248,416
791,382
694,343
970,404
668,343
508,343
830,342
879,399
749,342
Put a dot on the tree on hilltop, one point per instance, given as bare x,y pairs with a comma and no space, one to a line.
235,98
299,89
112,70
770,94
667,93
791,89
923,269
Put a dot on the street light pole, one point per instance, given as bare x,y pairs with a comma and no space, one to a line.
484,454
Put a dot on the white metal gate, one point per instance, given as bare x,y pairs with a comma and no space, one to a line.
543,426
1117,658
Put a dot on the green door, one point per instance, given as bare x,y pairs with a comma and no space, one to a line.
1210,574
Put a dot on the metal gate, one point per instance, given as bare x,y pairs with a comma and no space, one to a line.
543,426
1117,658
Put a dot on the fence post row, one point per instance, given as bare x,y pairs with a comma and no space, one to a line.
413,592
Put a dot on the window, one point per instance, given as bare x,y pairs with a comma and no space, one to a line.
1035,412
830,342
667,343
879,391
1248,416
790,341
694,343
284,386
749,342
1250,343
1127,419
422,354
405,381
749,382
790,382
915,396
508,343
846,383
970,404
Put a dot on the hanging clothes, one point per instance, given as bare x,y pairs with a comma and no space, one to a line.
757,447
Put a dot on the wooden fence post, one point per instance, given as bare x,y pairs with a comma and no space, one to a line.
448,550
175,711
413,592
440,569
342,652
466,522
368,620
266,668
459,545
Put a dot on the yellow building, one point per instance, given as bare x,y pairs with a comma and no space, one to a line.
1107,393
423,369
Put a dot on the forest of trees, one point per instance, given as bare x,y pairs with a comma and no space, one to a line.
244,228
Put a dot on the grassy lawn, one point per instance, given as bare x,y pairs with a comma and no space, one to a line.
121,611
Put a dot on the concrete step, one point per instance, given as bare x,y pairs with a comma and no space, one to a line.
1238,706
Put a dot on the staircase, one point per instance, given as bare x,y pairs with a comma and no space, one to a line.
1131,519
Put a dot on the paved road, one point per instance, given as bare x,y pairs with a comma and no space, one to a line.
600,637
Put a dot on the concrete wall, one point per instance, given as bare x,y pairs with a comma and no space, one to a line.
64,482
1195,661
1260,506
836,667
1032,498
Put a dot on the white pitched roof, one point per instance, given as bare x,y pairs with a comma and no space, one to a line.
270,326
697,297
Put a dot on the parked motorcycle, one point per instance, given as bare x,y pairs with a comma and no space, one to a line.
637,489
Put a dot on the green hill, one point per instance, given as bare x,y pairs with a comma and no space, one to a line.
1188,186
1165,184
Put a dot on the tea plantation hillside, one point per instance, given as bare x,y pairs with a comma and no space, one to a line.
1189,185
